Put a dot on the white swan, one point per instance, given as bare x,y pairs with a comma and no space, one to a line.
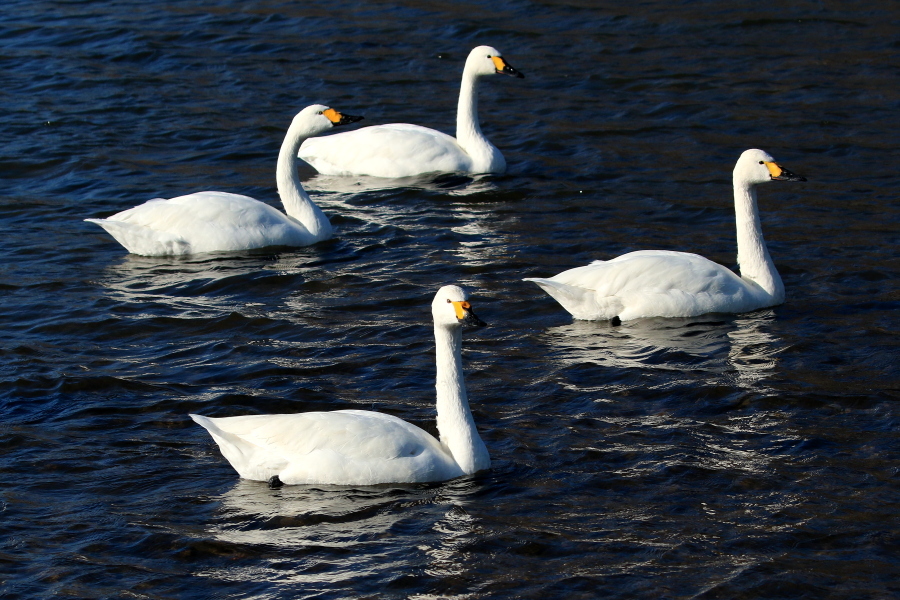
360,447
219,221
403,150
660,283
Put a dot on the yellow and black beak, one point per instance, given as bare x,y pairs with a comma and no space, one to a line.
779,173
505,68
338,118
465,315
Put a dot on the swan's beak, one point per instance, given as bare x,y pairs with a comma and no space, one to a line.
505,68
465,315
779,173
340,119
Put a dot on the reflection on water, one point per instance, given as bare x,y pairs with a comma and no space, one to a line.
204,285
445,184
753,350
737,348
337,532
303,516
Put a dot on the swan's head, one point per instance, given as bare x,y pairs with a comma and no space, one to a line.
485,60
319,118
451,308
755,166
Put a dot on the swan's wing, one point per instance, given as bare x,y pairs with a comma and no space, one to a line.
393,150
143,240
202,222
218,209
341,447
649,283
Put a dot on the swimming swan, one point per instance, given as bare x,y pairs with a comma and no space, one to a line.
219,221
660,283
403,150
361,447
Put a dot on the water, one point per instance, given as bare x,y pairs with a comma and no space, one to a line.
750,456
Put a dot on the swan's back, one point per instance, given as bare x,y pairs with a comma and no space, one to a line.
392,150
339,447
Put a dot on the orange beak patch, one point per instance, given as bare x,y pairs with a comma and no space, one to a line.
461,308
333,115
499,63
774,169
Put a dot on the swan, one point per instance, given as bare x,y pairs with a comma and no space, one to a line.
661,283
404,150
361,447
220,221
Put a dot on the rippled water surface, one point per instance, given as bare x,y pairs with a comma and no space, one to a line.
750,456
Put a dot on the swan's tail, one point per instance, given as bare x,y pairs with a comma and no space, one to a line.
248,459
582,303
143,240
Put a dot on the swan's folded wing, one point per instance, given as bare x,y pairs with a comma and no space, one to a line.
318,447
655,271
202,222
649,283
142,240
393,150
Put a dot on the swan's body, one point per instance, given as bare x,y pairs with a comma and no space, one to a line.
403,150
659,283
359,447
220,221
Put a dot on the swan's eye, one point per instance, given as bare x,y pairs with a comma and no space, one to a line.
449,301
762,162
489,56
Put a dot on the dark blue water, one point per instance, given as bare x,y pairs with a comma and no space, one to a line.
751,456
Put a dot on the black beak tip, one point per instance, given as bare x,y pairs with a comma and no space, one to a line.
507,70
472,320
347,119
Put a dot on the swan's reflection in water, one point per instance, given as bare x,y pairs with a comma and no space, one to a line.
739,349
329,535
674,396
446,184
208,285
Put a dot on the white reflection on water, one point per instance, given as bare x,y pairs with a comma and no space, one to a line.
485,246
740,349
332,534
202,286
450,184
302,516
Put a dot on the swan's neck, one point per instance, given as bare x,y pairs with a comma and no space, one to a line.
297,203
753,256
454,419
485,157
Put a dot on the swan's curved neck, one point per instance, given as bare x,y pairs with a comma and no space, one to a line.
485,157
753,255
454,419
297,203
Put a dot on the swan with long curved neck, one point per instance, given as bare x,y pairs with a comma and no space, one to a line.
220,221
361,447
403,150
660,283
